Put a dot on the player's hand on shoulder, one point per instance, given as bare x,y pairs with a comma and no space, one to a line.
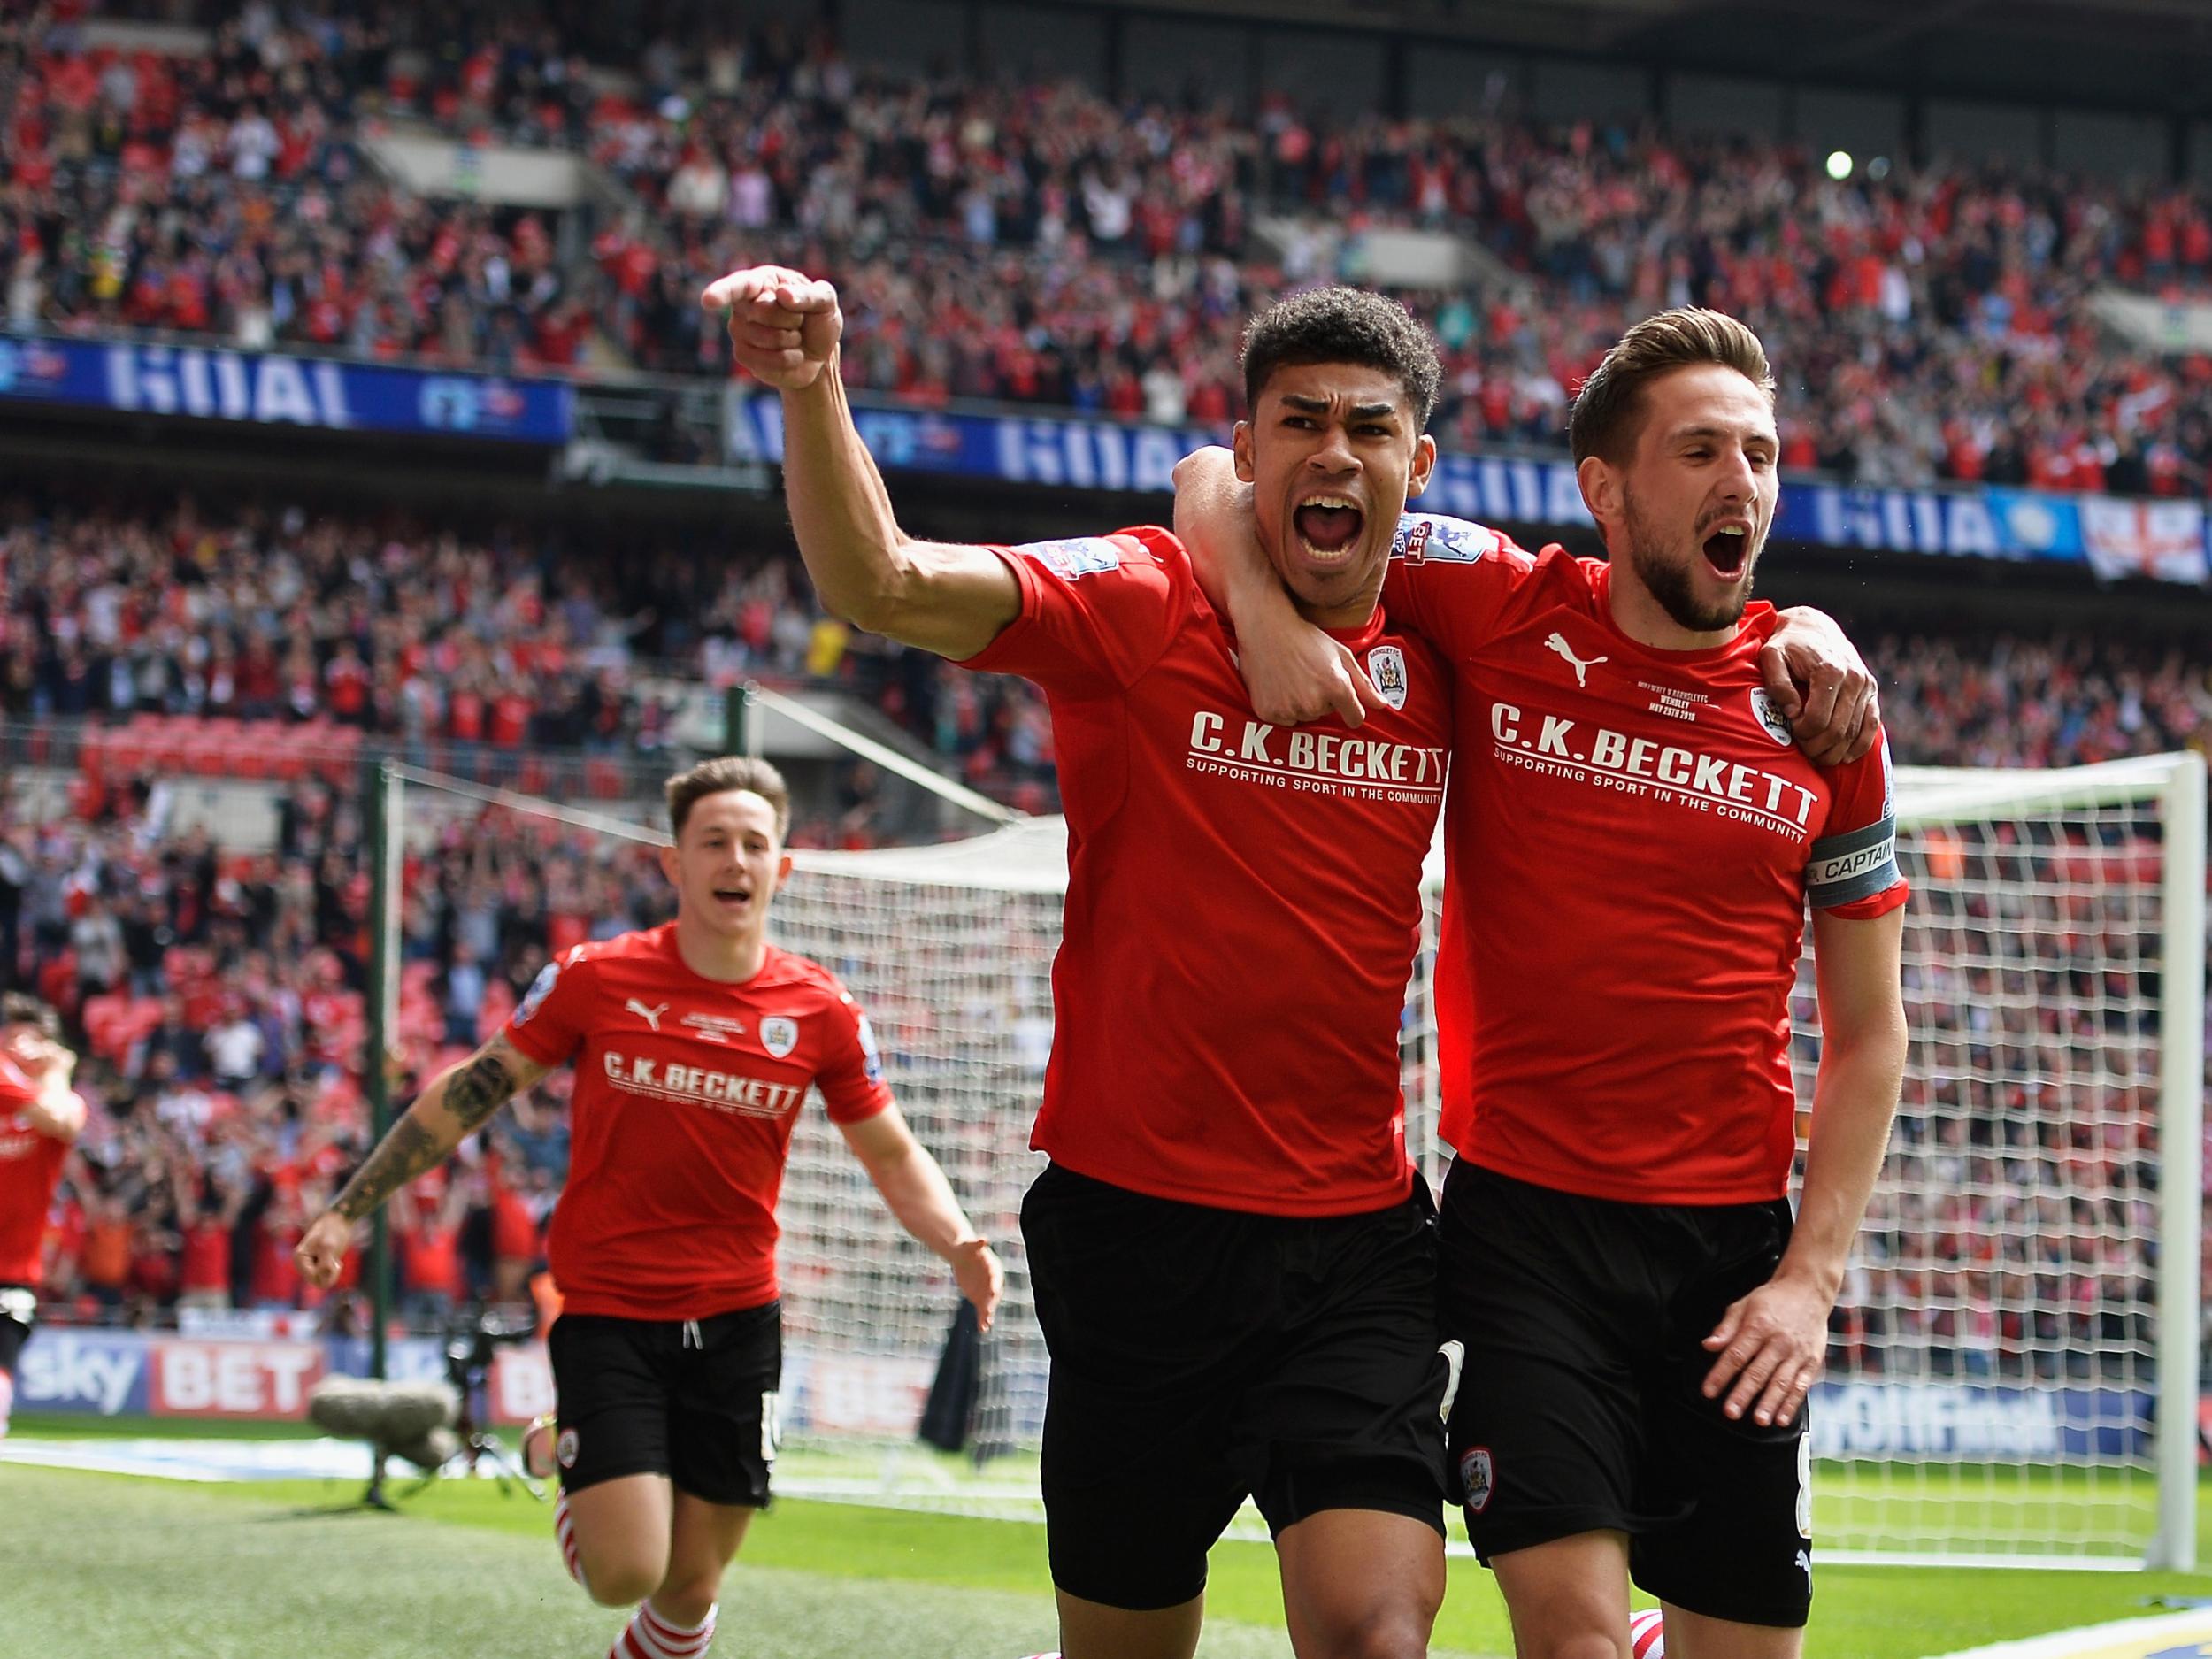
1823,687
322,1249
1299,673
981,1276
784,325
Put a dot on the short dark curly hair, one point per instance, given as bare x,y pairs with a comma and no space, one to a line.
1339,325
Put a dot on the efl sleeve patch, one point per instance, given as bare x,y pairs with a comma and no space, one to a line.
1078,557
1855,865
1423,536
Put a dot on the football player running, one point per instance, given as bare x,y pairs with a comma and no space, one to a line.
694,1044
40,1117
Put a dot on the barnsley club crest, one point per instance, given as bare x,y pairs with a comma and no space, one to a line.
1771,717
1386,667
1477,1477
780,1036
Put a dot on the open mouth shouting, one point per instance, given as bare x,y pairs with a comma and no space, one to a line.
1328,526
733,901
1727,549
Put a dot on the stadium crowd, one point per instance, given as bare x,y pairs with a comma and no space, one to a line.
442,644
1039,243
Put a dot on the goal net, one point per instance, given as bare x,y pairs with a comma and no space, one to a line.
2000,1387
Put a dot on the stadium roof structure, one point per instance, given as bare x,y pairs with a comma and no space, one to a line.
2150,56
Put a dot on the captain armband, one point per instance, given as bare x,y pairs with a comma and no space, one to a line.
1858,864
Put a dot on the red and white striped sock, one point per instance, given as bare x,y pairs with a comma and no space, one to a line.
565,1529
651,1636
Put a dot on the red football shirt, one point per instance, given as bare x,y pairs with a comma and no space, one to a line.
1243,899
1631,844
30,1167
687,1092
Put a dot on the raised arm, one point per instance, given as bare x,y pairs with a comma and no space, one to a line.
458,1101
918,1194
1773,1344
947,598
1294,671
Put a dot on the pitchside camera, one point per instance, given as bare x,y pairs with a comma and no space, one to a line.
470,1341
427,1424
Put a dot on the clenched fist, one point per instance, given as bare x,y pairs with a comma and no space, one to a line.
784,325
321,1251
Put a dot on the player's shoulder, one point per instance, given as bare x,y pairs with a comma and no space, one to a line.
1138,546
799,979
588,967
1435,538
1758,623
642,944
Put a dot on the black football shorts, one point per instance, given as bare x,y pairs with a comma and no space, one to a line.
19,1311
1202,1354
693,1400
1579,1407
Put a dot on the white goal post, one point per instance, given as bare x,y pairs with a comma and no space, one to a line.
2001,1388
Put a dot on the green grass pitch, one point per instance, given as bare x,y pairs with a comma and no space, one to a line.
104,1564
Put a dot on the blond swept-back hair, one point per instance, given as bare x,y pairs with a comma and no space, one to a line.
723,773
1608,412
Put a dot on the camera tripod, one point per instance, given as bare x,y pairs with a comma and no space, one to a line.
468,1365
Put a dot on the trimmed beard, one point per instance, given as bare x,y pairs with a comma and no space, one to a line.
1670,583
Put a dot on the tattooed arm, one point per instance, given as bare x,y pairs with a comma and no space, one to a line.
459,1101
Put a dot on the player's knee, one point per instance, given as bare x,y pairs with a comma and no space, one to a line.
1396,1628
621,1577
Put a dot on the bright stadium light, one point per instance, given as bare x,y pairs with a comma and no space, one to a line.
1839,165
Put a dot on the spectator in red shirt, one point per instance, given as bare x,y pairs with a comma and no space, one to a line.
347,679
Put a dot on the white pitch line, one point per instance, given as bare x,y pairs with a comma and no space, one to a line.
208,1460
2182,1633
